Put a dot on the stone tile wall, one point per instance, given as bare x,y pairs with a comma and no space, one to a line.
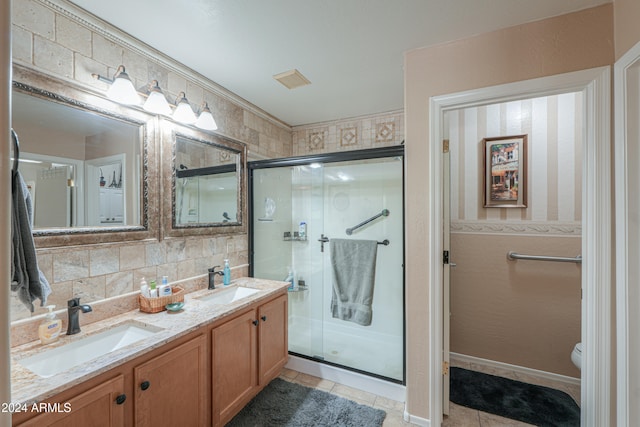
58,39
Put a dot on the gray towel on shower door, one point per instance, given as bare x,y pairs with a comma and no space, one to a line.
353,264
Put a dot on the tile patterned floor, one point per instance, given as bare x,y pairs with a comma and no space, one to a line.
459,416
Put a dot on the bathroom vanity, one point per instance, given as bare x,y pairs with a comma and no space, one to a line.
199,366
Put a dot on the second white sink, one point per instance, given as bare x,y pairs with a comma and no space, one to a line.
58,359
229,295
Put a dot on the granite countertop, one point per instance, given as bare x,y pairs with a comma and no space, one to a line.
28,388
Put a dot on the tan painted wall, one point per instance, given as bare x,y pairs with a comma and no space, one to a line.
525,313
558,45
627,28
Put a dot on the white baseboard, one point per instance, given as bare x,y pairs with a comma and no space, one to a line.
349,378
416,420
542,375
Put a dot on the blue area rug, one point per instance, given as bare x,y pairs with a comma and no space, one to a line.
533,404
283,403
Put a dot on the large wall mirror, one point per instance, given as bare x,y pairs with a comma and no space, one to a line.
206,175
85,161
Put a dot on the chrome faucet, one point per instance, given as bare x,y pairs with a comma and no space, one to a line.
212,275
73,308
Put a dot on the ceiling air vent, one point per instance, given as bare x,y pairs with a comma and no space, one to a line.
292,79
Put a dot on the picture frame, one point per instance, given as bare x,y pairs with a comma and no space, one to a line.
505,171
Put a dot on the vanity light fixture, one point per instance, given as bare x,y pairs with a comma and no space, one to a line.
184,113
121,89
156,102
205,119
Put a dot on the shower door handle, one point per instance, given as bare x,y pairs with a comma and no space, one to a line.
323,239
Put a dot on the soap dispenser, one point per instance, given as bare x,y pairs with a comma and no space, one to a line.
49,329
226,276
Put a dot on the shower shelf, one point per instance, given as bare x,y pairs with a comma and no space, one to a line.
302,288
294,239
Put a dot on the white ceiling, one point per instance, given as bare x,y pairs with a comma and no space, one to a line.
350,50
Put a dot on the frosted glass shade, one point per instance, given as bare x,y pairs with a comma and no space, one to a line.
206,120
122,90
184,113
156,103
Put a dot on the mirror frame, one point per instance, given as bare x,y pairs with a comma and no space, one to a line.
33,83
170,132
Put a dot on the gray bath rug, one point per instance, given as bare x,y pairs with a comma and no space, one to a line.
533,404
283,403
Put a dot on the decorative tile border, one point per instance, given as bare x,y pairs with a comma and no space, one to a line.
348,136
530,228
385,132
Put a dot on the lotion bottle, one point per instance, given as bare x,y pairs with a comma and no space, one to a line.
49,329
226,276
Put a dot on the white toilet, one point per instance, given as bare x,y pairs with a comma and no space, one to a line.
576,355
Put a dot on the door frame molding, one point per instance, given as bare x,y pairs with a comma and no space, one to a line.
627,274
596,229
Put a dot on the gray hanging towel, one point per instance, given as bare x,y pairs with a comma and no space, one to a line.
26,278
353,264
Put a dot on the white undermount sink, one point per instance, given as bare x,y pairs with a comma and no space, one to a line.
58,359
229,295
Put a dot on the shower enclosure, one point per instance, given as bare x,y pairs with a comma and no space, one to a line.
355,195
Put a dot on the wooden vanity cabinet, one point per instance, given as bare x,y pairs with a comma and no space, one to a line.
99,406
171,389
273,351
247,351
176,384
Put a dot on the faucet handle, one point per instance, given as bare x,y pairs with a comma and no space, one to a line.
73,302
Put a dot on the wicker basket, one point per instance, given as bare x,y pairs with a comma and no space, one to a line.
156,305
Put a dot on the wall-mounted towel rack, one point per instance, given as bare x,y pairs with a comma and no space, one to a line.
514,255
324,239
385,212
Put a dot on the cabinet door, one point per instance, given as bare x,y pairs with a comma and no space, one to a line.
100,406
170,389
234,364
273,342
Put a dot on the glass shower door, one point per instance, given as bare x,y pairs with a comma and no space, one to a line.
354,192
329,198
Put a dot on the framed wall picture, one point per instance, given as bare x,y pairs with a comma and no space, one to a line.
505,171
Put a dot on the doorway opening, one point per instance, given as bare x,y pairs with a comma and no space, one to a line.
594,85
514,318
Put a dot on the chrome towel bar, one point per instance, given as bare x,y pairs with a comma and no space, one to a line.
514,255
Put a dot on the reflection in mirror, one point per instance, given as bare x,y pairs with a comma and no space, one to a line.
206,184
83,169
